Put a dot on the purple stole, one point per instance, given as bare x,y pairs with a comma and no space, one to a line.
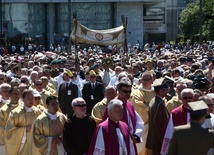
179,115
110,137
127,106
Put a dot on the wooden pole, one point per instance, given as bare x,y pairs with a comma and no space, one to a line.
69,25
75,30
125,22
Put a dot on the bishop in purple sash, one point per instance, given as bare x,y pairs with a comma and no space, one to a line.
112,137
130,116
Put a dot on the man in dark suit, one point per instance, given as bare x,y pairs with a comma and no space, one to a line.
92,92
192,138
67,92
158,117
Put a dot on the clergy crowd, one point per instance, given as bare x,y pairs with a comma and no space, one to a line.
148,100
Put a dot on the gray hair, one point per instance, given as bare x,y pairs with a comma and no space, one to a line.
15,80
187,90
118,67
33,72
113,103
109,87
30,62
24,76
3,85
160,61
76,100
121,75
2,73
124,82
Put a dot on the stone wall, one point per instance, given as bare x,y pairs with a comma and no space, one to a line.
134,13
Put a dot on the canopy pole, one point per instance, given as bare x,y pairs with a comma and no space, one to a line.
69,25
125,22
75,31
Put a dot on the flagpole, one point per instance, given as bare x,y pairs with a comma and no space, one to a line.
125,22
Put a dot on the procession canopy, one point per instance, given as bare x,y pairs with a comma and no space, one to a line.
82,34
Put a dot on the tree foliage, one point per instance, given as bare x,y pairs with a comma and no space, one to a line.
190,20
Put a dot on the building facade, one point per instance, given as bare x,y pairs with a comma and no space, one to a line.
50,21
173,11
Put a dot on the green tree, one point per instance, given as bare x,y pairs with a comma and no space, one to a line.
190,20
208,24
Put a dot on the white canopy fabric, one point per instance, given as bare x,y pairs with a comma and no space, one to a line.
82,34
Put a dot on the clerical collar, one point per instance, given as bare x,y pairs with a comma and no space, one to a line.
13,104
41,92
113,123
187,108
145,89
28,109
52,117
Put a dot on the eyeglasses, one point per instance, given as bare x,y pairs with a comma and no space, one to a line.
39,84
80,105
188,97
126,91
37,98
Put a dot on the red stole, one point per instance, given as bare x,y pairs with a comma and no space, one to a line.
127,106
179,115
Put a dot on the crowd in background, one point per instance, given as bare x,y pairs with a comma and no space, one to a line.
53,93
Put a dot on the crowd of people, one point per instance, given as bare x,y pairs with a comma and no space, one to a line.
145,101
